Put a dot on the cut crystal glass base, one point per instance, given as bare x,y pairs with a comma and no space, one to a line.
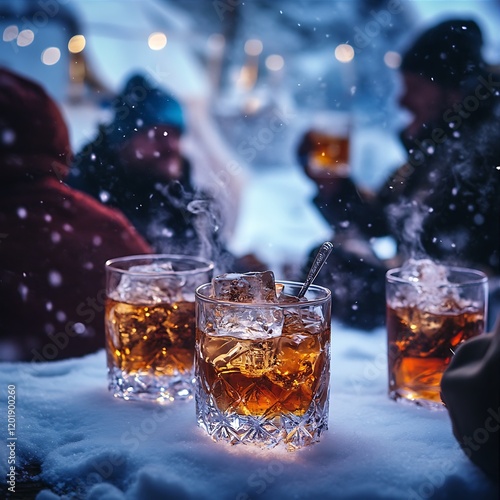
145,386
285,430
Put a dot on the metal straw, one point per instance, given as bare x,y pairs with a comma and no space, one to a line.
323,253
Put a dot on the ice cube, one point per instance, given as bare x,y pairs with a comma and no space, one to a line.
430,333
251,358
431,288
242,322
296,358
247,287
425,272
150,283
430,324
288,299
247,322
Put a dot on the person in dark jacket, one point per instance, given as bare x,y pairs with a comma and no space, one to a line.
135,164
54,240
444,203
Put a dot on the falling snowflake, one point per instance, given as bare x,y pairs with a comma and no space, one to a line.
104,196
23,291
61,316
478,219
79,328
55,278
8,137
49,328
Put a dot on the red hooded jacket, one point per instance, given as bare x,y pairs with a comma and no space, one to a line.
54,240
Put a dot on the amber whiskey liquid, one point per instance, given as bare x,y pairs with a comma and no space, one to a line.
153,339
329,153
420,347
270,377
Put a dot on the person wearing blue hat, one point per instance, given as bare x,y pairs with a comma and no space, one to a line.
135,164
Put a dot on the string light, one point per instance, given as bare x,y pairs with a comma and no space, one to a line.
76,44
25,38
51,56
10,33
344,53
157,41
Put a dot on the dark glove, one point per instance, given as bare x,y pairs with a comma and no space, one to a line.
470,389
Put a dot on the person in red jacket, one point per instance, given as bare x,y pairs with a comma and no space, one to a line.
54,240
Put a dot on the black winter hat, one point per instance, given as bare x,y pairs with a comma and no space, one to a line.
448,53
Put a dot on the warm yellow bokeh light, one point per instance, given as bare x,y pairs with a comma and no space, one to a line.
344,53
253,47
76,44
274,62
51,55
157,41
10,33
25,38
392,59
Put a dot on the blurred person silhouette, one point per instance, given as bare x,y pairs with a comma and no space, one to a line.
136,165
444,202
54,240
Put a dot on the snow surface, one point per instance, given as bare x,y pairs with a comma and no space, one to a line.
91,445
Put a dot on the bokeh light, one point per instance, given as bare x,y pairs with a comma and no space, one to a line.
274,62
392,59
216,42
344,53
253,47
25,38
76,44
10,33
157,41
51,56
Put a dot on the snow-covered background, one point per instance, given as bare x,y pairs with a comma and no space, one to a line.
224,112
83,443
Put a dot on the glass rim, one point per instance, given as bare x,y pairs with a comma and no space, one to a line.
309,302
480,277
206,264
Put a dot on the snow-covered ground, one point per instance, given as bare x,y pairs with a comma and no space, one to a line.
90,445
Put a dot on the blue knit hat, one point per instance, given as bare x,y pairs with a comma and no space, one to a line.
142,104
